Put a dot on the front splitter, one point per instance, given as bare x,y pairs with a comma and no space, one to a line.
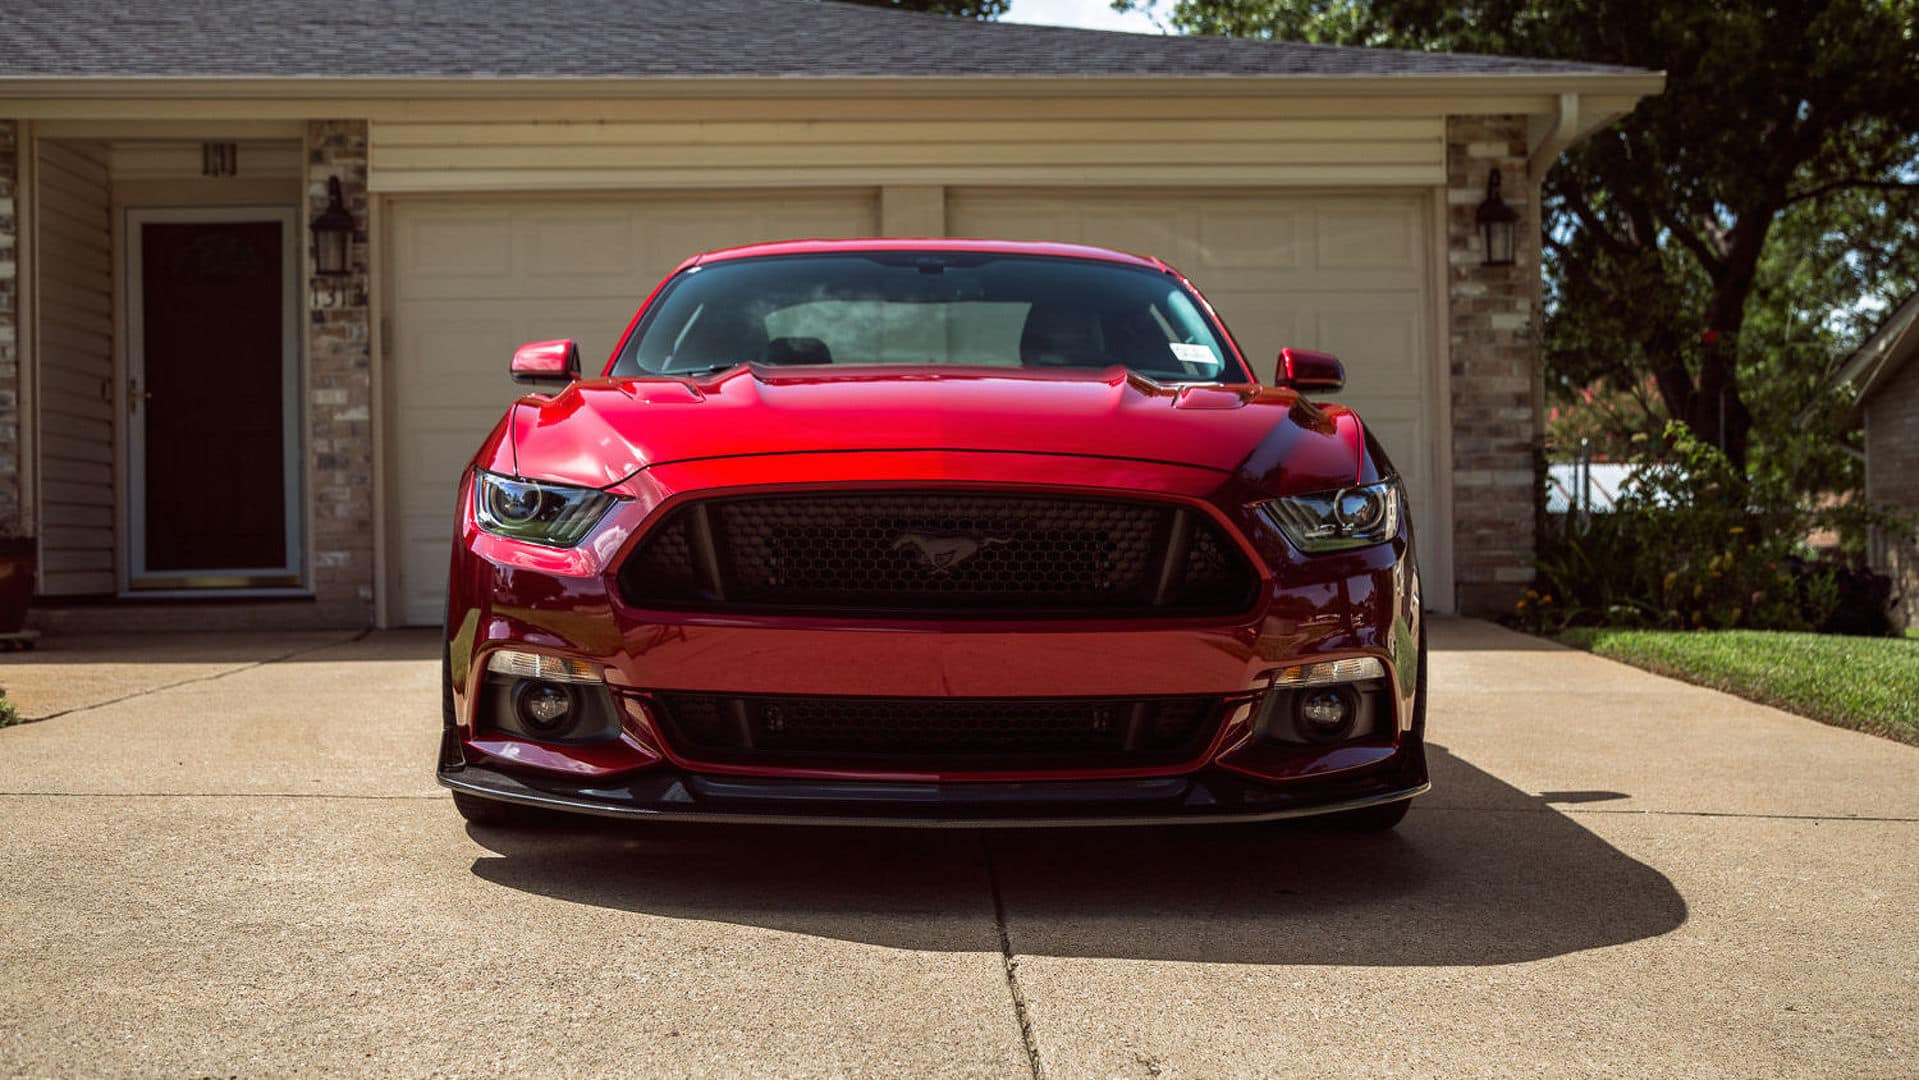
1206,798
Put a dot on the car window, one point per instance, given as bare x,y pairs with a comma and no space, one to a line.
931,309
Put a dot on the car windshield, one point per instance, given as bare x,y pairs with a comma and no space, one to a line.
932,309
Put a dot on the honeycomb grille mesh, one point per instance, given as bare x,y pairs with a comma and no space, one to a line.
994,734
938,553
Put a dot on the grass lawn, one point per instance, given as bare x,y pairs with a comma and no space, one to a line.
1869,684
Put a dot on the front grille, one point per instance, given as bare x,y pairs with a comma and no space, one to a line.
992,734
939,554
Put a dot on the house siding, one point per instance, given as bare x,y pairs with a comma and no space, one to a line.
1892,479
74,373
1496,377
1104,142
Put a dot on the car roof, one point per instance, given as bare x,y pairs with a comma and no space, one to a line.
930,244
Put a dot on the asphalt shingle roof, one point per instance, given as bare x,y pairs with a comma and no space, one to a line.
637,39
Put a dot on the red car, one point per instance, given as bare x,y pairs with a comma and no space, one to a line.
932,532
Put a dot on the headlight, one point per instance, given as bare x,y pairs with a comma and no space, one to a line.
553,514
1337,520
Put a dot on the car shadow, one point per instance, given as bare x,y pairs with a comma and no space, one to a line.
1481,873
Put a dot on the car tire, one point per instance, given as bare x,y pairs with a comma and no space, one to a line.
491,813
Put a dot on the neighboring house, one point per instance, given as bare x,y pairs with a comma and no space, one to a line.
528,169
1885,376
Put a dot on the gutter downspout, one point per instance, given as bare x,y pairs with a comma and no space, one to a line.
1565,128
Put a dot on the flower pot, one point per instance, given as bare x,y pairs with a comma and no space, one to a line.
17,557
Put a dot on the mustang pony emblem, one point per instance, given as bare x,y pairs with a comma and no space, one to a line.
941,552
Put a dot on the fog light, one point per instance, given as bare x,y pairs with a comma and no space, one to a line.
1326,715
544,707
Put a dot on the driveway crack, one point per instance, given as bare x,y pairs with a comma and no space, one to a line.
1010,964
197,679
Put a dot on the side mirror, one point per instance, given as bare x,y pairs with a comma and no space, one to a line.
1312,372
546,361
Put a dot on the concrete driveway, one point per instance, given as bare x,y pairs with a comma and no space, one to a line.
227,856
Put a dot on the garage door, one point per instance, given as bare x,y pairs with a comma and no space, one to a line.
473,279
1345,273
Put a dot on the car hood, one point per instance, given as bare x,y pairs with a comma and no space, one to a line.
600,432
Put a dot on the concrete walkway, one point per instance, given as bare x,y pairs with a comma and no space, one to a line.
227,856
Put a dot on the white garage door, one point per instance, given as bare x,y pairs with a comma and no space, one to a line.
474,278
1343,273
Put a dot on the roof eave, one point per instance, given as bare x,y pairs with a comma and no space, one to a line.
1881,357
30,88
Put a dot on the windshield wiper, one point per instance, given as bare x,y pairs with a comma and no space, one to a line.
693,373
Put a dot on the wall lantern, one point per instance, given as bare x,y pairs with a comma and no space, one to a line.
1497,224
333,234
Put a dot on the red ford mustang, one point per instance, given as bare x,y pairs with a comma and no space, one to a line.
932,532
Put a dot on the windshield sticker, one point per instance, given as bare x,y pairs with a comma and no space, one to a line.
1187,353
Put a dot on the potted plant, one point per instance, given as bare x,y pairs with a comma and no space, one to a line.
17,557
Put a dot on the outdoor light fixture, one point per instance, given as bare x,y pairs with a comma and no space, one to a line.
333,234
1497,224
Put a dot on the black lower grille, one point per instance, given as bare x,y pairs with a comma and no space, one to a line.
940,554
992,734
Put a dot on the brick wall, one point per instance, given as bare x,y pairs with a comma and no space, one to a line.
339,400
10,484
1892,478
1497,381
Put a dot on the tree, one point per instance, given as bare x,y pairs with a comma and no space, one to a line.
965,9
1658,229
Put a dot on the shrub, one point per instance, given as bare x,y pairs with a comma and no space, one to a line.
1692,543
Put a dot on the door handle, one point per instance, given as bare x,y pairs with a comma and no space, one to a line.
135,396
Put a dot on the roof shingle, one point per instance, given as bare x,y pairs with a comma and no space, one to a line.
638,39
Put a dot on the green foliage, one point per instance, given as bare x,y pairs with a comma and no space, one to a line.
1726,239
965,9
1602,422
1692,543
9,715
1869,684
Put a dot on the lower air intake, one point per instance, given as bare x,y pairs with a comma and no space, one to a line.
988,734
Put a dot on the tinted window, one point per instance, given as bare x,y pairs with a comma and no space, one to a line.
933,309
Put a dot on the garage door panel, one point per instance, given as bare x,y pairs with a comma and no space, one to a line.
433,256
474,278
1384,337
423,593
441,359
1252,237
1013,223
578,246
1366,235
1145,230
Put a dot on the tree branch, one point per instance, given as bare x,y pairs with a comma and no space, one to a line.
1852,185
1712,260
1590,220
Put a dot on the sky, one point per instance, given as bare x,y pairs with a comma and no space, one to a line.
1091,14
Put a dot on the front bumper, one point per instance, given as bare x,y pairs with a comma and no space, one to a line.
1211,797
506,595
